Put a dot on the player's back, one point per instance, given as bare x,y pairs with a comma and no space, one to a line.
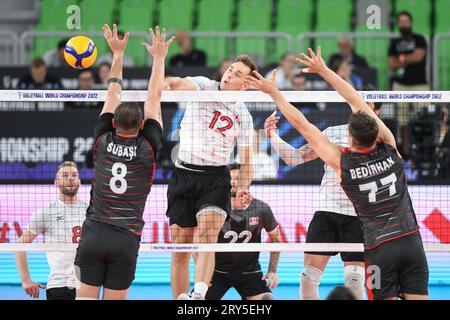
374,180
123,175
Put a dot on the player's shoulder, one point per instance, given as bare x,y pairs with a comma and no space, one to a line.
260,205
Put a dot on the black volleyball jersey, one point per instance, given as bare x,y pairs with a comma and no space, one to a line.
374,181
123,174
243,227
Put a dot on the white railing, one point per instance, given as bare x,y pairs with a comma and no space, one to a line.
437,67
11,56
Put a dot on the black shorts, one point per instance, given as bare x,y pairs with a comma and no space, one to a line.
191,191
330,227
106,255
63,293
247,285
403,268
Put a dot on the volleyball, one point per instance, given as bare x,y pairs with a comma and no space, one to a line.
80,52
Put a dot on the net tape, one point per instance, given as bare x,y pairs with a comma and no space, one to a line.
223,96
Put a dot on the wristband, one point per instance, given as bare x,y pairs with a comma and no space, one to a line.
116,80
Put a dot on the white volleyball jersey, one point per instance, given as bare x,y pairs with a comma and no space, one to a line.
332,197
60,223
210,130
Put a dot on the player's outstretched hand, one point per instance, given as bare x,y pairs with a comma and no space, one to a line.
271,124
271,279
268,86
115,44
32,288
159,47
315,63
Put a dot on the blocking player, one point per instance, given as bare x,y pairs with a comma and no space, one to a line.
60,222
124,163
242,270
199,190
335,221
372,174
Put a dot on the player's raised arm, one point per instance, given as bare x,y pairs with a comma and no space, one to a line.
158,49
327,151
117,46
289,154
316,64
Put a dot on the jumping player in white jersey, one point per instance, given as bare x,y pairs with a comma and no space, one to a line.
371,172
335,221
199,189
60,222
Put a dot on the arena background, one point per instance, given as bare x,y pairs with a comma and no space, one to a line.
263,28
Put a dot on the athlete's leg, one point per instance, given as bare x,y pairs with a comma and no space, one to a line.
354,272
209,223
109,294
179,268
408,296
310,277
262,296
87,292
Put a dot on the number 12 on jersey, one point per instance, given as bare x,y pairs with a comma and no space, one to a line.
372,187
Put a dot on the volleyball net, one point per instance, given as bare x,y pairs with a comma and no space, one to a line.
42,129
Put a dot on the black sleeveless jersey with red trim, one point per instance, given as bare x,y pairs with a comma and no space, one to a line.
123,175
374,181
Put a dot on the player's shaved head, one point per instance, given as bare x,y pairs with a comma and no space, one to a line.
128,118
363,130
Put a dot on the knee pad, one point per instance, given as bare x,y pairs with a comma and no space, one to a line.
309,283
354,280
267,296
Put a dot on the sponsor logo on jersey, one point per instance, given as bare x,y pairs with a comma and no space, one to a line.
253,221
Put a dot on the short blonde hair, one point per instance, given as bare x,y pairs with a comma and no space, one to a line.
66,164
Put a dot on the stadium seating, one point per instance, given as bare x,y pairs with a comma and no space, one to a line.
254,16
176,15
332,16
443,25
136,16
293,17
421,12
375,51
214,15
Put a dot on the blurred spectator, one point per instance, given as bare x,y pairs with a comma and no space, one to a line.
347,51
285,71
299,83
341,293
407,61
55,58
103,73
39,78
108,57
264,164
85,82
342,68
189,56
224,65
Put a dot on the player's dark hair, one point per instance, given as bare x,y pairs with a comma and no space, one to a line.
128,116
363,129
405,13
369,87
234,166
248,61
341,293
